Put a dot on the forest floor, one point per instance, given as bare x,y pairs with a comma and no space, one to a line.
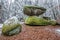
35,33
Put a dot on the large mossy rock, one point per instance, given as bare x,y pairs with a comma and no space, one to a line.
34,20
11,26
33,10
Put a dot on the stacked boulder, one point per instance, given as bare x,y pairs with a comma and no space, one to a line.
33,12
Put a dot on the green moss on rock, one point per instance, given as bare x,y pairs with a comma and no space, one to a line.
52,22
10,25
33,20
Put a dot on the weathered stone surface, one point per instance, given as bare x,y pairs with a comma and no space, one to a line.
33,10
11,26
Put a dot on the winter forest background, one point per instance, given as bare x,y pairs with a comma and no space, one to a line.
10,8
